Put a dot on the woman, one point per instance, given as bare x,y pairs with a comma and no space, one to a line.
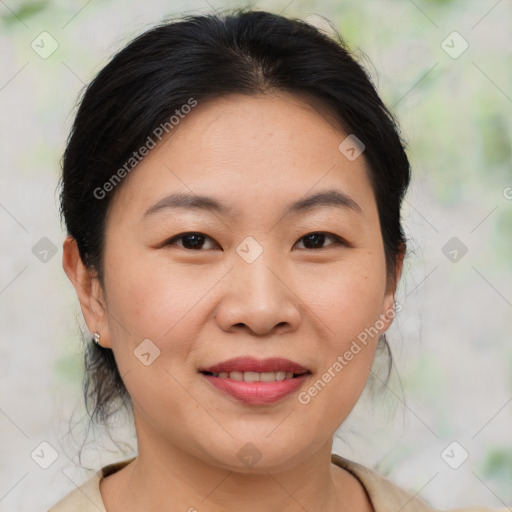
231,190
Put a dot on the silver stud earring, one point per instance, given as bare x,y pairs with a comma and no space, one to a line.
96,337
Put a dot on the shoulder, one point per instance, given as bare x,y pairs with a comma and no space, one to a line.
87,497
383,493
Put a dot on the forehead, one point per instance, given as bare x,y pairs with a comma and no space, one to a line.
246,149
241,121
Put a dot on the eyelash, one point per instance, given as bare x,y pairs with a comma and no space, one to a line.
337,240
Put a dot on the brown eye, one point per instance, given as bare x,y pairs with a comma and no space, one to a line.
190,241
316,240
195,241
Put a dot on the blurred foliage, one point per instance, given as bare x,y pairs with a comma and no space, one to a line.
69,368
24,10
497,466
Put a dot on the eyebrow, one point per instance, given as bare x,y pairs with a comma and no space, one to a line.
188,201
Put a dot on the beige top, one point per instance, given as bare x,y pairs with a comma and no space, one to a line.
384,495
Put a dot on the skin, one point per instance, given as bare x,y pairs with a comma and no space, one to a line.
203,306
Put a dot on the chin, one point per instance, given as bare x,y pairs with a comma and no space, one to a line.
257,454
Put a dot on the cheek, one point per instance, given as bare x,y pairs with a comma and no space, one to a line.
348,300
152,300
149,303
349,306
166,305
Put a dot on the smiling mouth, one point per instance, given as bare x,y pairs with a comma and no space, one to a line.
257,388
257,376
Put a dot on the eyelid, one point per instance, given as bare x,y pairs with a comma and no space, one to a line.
337,240
173,239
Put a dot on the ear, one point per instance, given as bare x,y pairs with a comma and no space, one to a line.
388,312
89,290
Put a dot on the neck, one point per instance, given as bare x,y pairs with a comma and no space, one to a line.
165,477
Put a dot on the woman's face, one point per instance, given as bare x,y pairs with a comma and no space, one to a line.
249,284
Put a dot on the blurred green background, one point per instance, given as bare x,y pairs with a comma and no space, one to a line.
445,69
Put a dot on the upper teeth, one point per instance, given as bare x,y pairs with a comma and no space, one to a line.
255,376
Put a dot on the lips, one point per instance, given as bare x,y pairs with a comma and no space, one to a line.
256,382
251,364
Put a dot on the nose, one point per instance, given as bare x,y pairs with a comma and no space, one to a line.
259,298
